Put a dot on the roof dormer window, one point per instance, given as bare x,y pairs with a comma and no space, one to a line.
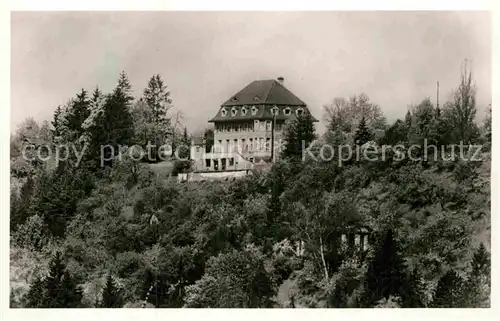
244,111
275,110
233,111
254,110
299,111
223,112
287,111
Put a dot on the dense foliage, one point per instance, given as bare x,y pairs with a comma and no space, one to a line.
119,234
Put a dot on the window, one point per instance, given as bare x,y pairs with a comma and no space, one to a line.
197,149
268,126
231,161
244,111
256,125
254,110
223,112
287,111
233,111
250,143
300,111
207,163
275,110
268,144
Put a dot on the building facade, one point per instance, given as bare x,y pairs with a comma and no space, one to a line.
249,120
247,128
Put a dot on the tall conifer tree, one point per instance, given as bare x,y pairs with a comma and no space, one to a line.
363,134
385,275
299,134
111,296
449,291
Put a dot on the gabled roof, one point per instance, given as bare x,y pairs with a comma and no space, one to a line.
269,92
263,95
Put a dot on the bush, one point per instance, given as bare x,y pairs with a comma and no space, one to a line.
31,234
236,280
390,303
282,268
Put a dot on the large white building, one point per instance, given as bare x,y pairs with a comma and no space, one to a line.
245,126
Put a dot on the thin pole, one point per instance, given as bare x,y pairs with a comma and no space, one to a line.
437,95
272,137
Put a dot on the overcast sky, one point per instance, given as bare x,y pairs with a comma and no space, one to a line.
394,57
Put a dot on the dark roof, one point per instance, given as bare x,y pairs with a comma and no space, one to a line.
269,92
263,95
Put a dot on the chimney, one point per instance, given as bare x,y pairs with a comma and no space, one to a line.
281,80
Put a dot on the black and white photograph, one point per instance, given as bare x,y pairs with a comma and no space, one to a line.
250,159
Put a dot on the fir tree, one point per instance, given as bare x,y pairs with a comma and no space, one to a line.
57,196
157,98
124,87
299,134
59,289
36,294
112,125
449,291
413,291
96,98
79,111
185,137
57,123
481,262
408,119
71,294
183,164
363,134
478,284
111,296
21,206
385,275
52,283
